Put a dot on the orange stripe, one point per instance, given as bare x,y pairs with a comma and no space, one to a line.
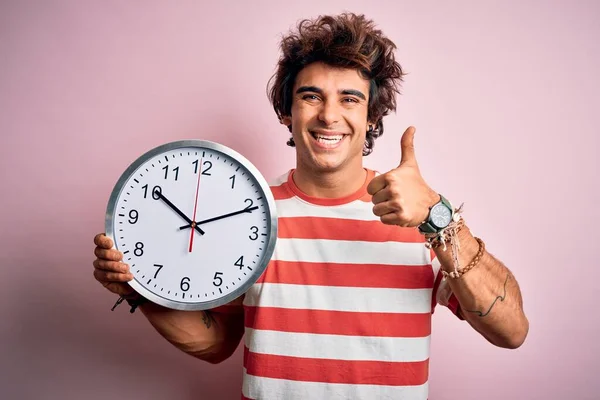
454,306
281,192
336,371
345,229
338,322
357,195
349,275
367,198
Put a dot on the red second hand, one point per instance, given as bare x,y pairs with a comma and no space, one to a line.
195,206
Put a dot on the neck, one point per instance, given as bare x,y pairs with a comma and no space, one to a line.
329,184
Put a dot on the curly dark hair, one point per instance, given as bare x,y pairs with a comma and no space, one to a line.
347,41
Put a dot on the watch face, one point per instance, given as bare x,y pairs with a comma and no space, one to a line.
441,215
195,221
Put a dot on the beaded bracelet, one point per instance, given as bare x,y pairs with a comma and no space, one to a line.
435,240
458,273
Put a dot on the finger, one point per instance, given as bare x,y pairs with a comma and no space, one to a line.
110,277
384,208
111,266
122,289
376,184
103,241
393,219
381,196
407,146
108,254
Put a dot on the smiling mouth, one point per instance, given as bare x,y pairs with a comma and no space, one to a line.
327,139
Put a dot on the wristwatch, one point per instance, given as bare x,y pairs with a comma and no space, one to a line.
440,216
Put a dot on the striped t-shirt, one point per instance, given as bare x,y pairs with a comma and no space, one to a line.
343,310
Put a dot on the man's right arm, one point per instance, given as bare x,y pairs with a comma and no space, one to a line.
211,335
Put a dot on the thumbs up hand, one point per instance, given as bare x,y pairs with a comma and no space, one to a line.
401,196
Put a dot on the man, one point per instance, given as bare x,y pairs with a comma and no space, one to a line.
344,308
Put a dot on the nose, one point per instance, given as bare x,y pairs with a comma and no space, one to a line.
329,113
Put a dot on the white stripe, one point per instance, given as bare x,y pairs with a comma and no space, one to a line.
351,252
435,264
260,388
313,297
338,347
279,180
296,207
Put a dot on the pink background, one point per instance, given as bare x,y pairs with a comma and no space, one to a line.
505,98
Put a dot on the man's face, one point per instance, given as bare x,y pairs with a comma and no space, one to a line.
329,117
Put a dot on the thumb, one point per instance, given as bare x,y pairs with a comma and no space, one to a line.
408,147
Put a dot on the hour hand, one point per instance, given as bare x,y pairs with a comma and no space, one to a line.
178,211
245,210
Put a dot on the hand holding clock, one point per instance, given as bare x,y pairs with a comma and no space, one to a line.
109,269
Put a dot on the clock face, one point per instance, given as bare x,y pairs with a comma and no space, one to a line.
441,216
196,223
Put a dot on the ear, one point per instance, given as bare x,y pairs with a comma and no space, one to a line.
286,120
371,125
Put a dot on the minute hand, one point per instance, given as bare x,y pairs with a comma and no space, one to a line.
245,210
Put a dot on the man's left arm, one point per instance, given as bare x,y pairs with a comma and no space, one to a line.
488,294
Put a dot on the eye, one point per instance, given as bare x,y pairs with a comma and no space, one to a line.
310,97
350,100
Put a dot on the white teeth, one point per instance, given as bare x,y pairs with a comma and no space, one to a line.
329,139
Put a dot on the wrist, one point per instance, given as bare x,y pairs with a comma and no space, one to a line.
134,300
434,198
467,251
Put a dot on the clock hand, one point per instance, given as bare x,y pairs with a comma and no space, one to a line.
178,211
195,206
245,210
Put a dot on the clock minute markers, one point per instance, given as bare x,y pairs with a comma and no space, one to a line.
231,214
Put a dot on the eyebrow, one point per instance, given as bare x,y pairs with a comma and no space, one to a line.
352,92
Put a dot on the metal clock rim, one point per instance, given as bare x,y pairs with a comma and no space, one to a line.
241,160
